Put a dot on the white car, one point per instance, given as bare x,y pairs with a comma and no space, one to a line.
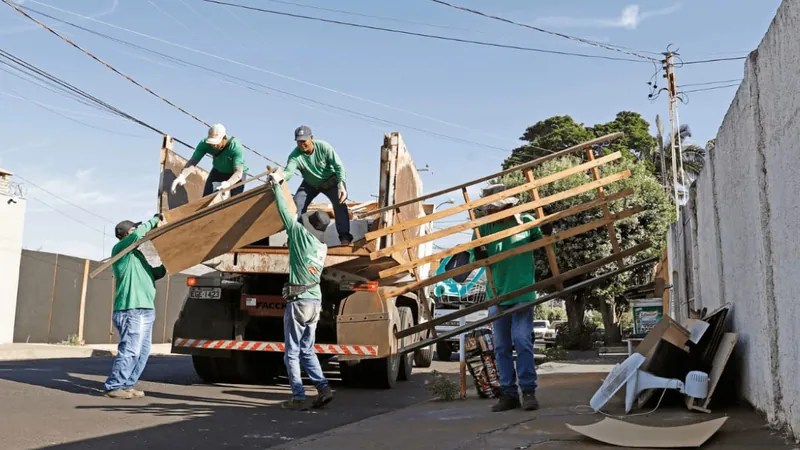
445,349
544,333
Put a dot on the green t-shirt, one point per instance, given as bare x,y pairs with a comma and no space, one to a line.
306,253
135,277
518,271
227,159
316,167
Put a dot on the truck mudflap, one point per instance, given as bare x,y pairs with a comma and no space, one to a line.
262,346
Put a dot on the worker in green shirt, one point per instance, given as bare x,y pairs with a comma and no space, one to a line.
307,252
228,166
323,173
514,332
134,309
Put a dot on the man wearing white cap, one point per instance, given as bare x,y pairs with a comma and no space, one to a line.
514,332
228,166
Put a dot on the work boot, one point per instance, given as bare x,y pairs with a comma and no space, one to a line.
135,392
323,398
506,403
120,394
529,402
295,404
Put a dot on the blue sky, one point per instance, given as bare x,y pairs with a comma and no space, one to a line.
485,95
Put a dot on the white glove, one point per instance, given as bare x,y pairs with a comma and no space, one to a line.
342,193
180,181
223,185
274,178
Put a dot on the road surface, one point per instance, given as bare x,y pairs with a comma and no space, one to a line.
58,404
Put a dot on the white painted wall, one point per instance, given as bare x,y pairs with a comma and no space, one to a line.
743,246
12,219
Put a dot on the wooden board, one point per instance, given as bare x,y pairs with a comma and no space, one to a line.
724,351
629,435
495,197
239,221
536,162
171,166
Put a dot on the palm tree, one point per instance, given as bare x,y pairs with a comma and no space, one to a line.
692,160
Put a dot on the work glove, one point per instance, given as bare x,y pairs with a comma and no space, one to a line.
223,185
274,178
180,181
161,220
342,192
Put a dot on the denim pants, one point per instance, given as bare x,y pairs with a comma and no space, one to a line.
215,176
299,328
306,194
135,328
514,330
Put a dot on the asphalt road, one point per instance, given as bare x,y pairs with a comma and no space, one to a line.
58,404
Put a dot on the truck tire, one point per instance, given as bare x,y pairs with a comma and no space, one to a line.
406,361
206,368
382,373
352,374
424,357
444,351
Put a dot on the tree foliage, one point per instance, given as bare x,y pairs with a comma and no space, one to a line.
650,225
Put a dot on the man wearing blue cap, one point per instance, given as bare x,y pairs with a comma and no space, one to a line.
323,173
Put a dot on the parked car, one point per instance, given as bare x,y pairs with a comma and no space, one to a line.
544,333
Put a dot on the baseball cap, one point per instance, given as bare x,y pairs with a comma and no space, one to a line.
123,228
215,134
302,133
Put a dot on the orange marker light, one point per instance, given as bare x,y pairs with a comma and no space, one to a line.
191,281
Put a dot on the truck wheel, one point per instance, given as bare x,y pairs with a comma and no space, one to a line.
423,357
444,351
407,360
206,368
234,369
352,376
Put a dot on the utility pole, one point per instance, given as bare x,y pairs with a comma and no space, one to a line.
672,89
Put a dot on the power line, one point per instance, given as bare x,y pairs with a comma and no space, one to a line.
112,68
423,35
63,199
711,82
356,114
614,48
66,215
259,69
706,61
710,88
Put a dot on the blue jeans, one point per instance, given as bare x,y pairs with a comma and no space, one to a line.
306,194
517,330
135,328
299,328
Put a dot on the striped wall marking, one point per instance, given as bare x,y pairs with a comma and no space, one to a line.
328,349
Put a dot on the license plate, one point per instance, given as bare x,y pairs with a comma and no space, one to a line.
205,293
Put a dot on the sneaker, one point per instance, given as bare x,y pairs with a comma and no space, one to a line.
323,398
529,402
135,392
119,393
506,403
295,404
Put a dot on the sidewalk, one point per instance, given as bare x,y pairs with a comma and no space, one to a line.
469,425
16,352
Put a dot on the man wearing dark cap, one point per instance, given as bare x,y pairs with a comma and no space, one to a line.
134,309
323,173
307,252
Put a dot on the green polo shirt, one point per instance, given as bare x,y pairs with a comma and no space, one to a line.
317,167
134,277
227,159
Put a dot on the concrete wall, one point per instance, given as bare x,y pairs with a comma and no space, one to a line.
12,219
737,240
48,301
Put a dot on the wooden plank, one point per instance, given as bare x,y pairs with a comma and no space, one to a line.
724,351
551,254
488,239
405,238
82,307
516,210
439,256
535,162
509,253
552,281
612,232
251,198
495,197
172,165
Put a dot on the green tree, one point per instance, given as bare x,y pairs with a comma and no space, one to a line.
693,156
649,225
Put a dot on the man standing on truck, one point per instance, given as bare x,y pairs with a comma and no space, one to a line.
514,332
323,173
134,309
228,166
307,252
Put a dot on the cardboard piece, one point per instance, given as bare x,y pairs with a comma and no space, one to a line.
697,328
665,330
624,434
